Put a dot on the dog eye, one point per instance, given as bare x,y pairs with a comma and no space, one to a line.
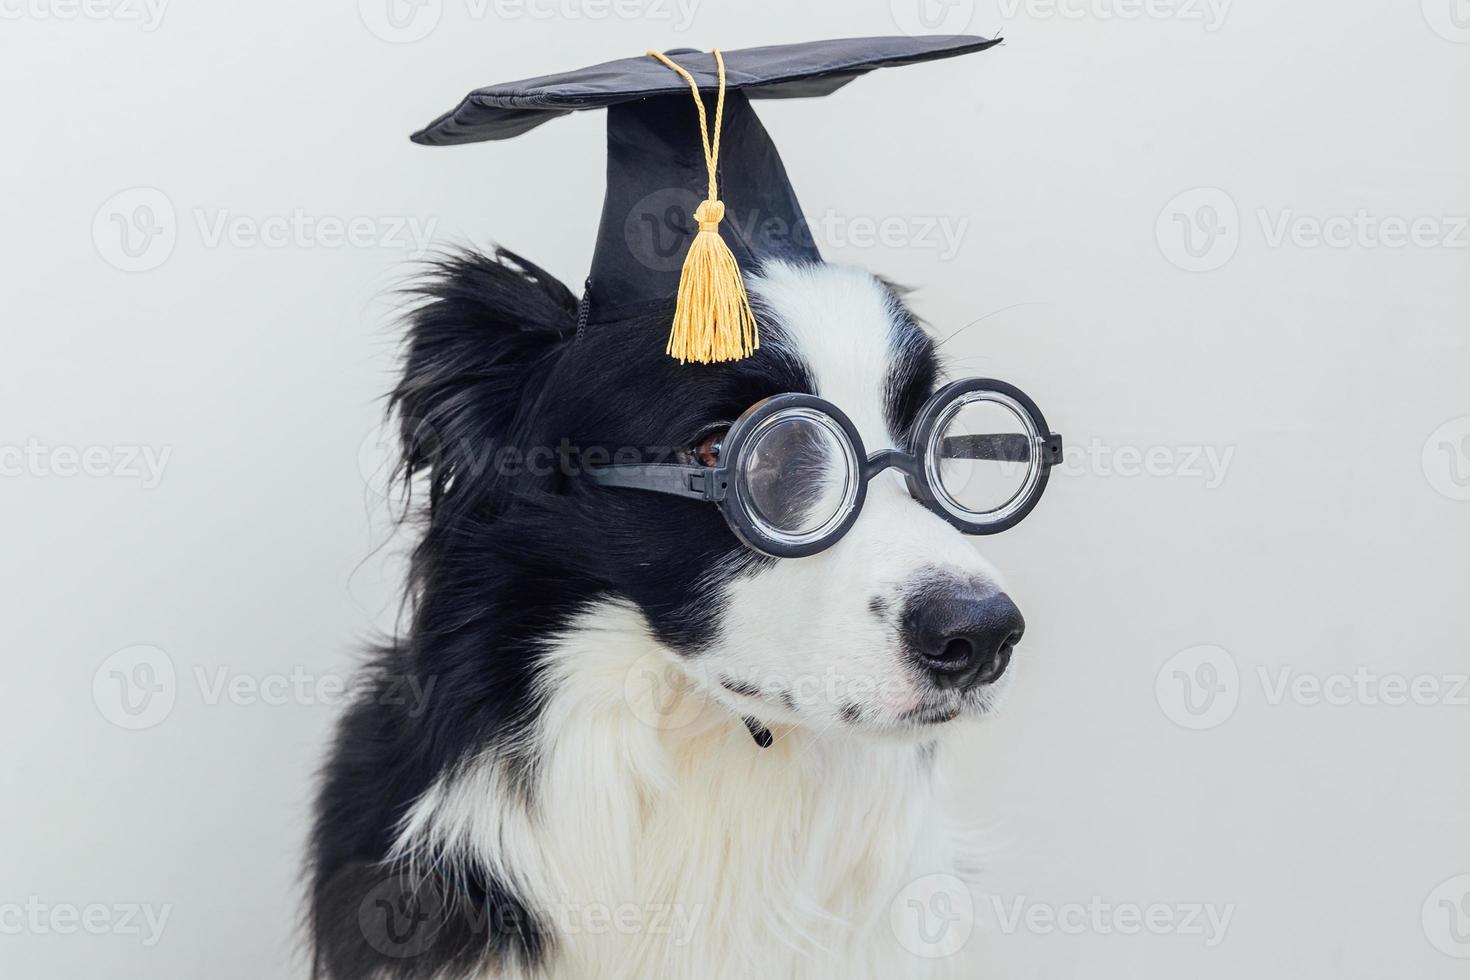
707,453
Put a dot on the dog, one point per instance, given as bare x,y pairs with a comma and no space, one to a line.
613,741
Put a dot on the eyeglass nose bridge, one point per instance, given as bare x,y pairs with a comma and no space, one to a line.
897,459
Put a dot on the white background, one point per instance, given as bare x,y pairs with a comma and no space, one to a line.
1131,767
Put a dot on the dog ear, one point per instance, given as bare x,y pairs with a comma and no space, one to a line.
487,328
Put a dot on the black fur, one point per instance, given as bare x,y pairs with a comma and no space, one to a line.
498,393
915,370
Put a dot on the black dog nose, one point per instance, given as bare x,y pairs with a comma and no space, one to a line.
962,638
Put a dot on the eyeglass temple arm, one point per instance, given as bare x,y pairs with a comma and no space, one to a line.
697,482
999,447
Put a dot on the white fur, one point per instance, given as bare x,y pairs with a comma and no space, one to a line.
656,839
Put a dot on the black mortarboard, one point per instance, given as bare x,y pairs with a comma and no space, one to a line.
656,165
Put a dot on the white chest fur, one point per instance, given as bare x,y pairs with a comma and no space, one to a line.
658,840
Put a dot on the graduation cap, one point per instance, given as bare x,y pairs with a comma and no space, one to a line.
680,123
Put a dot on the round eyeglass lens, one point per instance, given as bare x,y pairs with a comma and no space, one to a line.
798,475
983,459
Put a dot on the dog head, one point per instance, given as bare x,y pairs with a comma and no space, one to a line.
898,627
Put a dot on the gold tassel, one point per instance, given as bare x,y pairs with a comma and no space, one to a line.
712,316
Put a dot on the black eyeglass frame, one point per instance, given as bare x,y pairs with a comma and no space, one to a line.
718,484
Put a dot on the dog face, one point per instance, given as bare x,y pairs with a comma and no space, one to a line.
899,626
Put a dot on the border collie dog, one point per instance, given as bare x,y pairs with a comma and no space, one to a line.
636,748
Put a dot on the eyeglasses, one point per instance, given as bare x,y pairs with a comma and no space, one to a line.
793,474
